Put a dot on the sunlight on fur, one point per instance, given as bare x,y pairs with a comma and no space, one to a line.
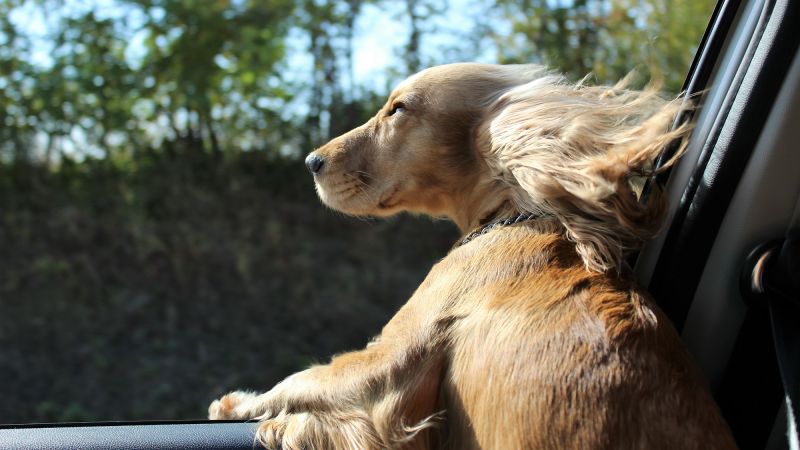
571,150
531,333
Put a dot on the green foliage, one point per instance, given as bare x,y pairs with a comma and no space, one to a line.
207,67
605,38
216,76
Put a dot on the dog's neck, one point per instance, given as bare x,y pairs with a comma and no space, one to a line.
482,197
479,203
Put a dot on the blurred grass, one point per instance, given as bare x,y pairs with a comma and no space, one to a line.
145,292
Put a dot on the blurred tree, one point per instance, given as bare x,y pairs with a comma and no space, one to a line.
420,15
210,77
336,103
210,70
17,95
412,47
90,89
607,38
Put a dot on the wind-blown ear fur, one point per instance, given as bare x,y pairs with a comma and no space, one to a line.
572,151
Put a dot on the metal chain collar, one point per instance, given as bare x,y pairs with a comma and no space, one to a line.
500,223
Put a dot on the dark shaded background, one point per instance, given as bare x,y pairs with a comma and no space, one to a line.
151,307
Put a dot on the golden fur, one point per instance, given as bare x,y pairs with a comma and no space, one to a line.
531,336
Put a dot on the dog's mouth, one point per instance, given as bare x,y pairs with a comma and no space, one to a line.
390,198
349,193
357,193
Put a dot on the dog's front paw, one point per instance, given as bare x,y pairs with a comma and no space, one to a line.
319,430
233,406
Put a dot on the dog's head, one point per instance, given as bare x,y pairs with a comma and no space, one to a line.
417,153
475,142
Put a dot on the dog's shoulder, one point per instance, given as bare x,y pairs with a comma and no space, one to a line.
540,275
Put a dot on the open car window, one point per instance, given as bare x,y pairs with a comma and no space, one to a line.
160,241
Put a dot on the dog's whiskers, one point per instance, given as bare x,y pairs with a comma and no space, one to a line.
361,183
363,177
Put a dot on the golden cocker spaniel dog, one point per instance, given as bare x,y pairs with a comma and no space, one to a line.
530,333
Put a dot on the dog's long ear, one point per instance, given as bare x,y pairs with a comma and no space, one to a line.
575,152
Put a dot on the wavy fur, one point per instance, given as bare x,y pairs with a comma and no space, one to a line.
571,150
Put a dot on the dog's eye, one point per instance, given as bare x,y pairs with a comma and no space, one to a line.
397,107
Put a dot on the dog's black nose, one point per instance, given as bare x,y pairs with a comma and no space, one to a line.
314,163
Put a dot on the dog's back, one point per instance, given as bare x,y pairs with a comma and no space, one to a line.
545,354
